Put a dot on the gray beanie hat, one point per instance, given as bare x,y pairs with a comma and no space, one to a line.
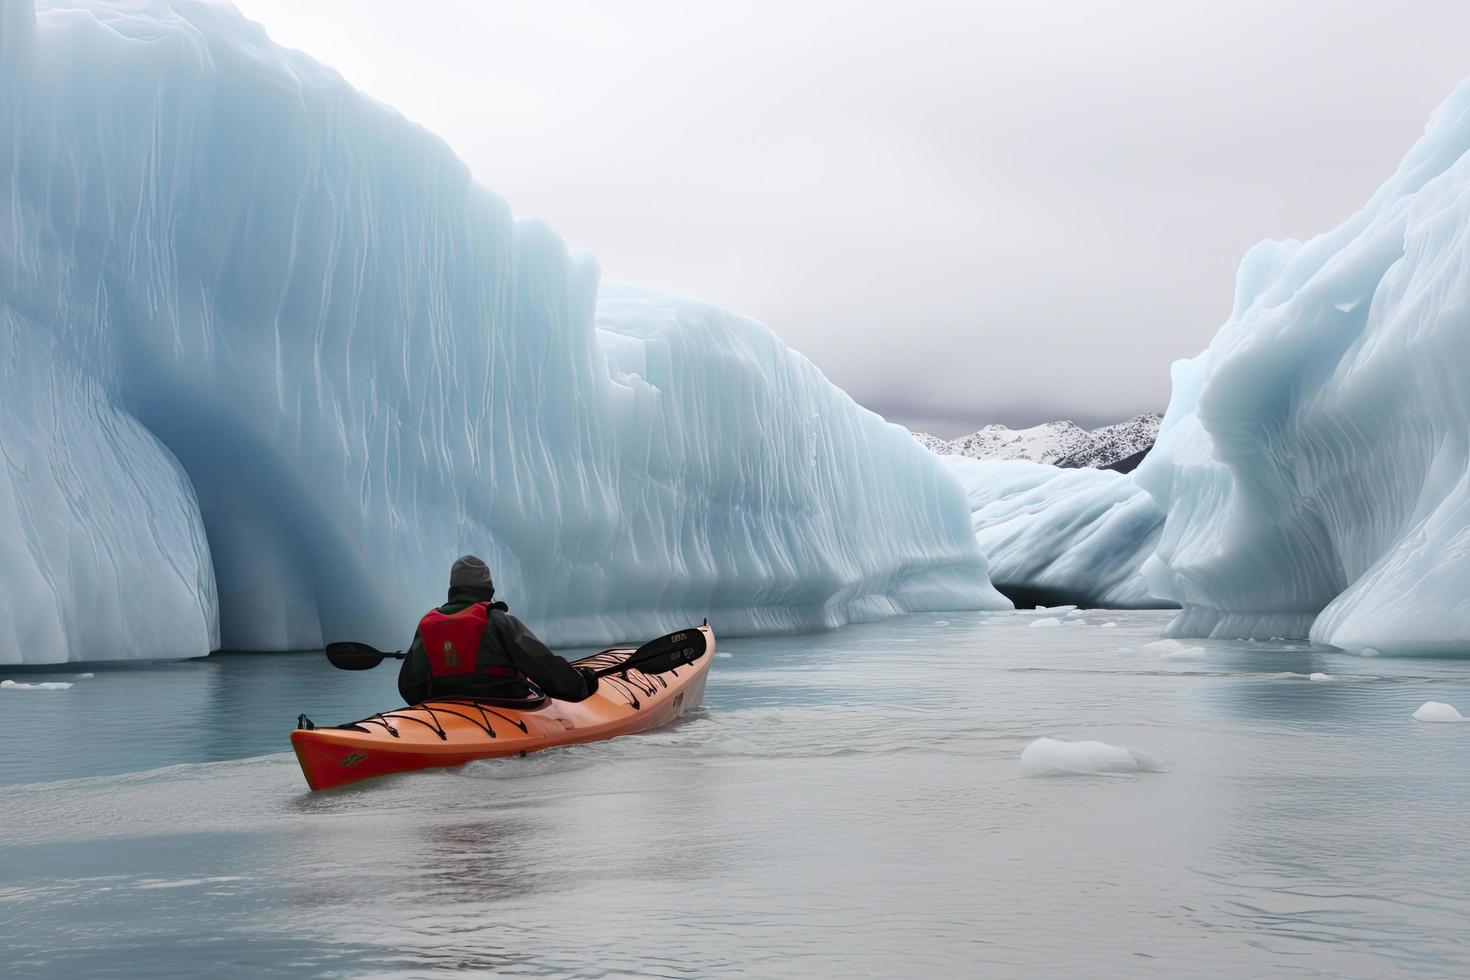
469,572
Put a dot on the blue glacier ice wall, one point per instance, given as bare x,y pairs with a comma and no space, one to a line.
1314,464
270,359
1076,535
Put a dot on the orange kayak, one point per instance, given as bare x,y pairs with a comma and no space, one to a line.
453,731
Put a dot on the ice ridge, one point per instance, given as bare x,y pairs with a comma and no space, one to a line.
1314,463
270,359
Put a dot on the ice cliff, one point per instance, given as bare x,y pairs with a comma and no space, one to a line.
270,359
1055,535
1314,464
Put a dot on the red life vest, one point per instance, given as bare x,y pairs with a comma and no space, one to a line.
452,642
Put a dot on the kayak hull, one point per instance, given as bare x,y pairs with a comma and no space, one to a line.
451,732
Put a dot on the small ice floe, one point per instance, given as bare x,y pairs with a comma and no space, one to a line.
1173,650
722,654
85,677
1053,757
1291,675
1439,711
155,883
1187,655
1075,614
1041,610
1109,625
1046,621
42,686
942,622
1367,652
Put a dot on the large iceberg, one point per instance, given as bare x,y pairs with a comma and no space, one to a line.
1314,463
270,359
1057,535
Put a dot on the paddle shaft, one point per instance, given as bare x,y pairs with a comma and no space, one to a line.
360,656
630,664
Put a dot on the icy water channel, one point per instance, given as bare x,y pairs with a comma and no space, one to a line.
847,803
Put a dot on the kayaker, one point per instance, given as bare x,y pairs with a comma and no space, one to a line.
473,647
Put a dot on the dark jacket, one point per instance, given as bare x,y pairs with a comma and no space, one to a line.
507,642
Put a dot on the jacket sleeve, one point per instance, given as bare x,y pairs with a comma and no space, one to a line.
534,659
413,676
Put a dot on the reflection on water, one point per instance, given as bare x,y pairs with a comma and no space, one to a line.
847,803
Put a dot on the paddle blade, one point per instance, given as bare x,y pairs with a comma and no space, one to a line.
353,656
664,654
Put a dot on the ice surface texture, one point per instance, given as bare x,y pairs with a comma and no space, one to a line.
1082,534
1314,462
270,359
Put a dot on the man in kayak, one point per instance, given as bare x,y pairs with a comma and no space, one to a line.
473,647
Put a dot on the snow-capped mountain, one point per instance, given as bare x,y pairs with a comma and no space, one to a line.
1120,446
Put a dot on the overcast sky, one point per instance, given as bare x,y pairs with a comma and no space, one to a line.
962,212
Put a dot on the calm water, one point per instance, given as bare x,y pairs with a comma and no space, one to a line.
848,803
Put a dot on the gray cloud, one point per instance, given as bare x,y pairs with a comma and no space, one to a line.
962,212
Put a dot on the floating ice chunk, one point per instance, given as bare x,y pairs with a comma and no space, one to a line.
1075,614
1174,650
1108,625
1438,711
1187,655
42,686
1367,652
942,622
1046,621
722,654
85,677
1291,675
1053,757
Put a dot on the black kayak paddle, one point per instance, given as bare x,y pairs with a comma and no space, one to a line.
654,657
358,656
663,654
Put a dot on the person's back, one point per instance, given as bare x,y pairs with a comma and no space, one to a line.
473,647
